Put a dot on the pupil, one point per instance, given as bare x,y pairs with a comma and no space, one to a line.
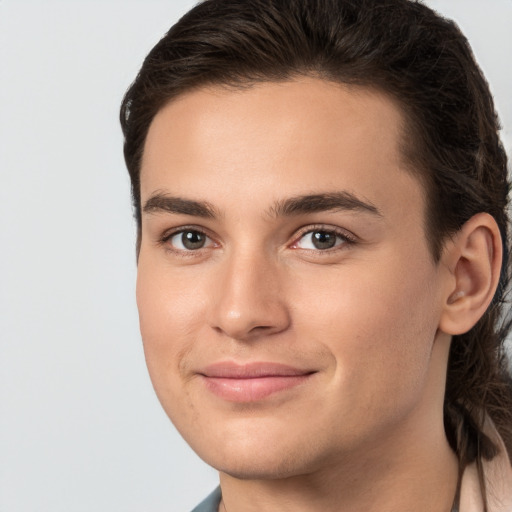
323,240
193,239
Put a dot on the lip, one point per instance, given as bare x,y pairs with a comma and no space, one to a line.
251,382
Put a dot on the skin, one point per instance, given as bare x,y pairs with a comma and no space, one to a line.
367,317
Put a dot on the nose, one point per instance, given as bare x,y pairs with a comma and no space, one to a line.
248,302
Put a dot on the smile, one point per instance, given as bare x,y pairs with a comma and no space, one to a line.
251,382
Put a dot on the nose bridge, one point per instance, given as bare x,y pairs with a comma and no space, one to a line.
249,301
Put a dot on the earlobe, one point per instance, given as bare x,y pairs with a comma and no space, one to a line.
473,258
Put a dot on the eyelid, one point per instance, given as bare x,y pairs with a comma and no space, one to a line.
348,237
168,234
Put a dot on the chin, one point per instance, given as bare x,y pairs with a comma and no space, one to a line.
260,459
260,467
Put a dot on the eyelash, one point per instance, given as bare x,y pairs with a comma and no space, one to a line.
168,235
345,237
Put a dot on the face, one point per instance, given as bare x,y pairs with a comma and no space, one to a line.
289,305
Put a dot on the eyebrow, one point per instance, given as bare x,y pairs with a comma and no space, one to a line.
164,203
333,201
303,204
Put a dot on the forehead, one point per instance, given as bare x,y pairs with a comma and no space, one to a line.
303,135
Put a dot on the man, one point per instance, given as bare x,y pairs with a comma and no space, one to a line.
321,199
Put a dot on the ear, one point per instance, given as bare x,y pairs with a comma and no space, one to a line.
473,259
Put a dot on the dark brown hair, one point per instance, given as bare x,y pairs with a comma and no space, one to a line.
451,141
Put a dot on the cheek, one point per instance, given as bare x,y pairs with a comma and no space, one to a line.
169,304
374,298
169,315
379,324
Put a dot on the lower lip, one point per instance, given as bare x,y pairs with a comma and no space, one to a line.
252,389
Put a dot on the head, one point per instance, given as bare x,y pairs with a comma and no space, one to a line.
448,139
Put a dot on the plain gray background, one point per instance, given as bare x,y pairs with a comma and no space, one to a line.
80,427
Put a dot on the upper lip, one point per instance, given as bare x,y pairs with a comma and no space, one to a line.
232,370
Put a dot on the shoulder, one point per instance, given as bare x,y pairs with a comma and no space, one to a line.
498,481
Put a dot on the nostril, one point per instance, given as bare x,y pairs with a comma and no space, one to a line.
259,328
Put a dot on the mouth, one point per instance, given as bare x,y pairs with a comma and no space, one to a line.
251,382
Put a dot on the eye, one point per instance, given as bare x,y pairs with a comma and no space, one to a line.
321,240
189,240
